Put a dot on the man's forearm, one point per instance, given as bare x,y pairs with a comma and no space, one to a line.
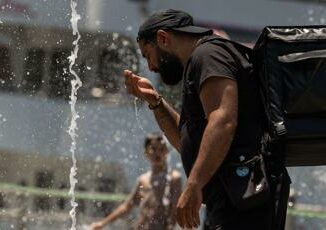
168,121
216,141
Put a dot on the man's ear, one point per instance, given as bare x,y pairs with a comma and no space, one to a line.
163,38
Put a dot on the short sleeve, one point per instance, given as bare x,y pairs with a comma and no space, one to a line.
211,60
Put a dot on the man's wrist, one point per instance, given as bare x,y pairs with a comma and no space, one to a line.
156,104
193,185
194,180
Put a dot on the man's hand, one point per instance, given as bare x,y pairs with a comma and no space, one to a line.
97,225
140,87
188,207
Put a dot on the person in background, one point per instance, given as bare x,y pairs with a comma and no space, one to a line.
156,192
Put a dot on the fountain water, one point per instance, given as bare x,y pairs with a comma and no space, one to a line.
75,85
167,189
137,114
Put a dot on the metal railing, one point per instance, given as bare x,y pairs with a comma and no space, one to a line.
60,193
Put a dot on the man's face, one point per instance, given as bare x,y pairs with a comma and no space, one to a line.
168,65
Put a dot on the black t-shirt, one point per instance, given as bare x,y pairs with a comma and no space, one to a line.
216,57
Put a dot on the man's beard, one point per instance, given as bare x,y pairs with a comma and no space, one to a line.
169,67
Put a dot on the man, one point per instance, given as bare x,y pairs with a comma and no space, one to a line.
220,121
156,192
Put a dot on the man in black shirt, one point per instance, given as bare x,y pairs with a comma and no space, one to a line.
220,121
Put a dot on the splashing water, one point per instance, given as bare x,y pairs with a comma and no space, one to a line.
75,85
167,189
137,114
165,199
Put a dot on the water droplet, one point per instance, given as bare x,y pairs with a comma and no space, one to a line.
97,92
115,36
129,28
165,201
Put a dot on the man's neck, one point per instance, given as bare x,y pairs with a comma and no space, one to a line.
185,48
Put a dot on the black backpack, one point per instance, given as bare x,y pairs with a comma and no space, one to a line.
291,65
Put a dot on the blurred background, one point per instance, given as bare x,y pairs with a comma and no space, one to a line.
35,42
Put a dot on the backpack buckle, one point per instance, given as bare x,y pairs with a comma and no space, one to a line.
280,129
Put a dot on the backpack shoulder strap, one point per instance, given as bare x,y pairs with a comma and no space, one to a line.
246,62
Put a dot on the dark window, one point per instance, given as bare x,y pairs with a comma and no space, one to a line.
112,61
110,71
5,70
59,75
62,202
81,203
33,72
105,185
44,179
89,80
23,183
2,200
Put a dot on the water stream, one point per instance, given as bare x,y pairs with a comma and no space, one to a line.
75,85
137,114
